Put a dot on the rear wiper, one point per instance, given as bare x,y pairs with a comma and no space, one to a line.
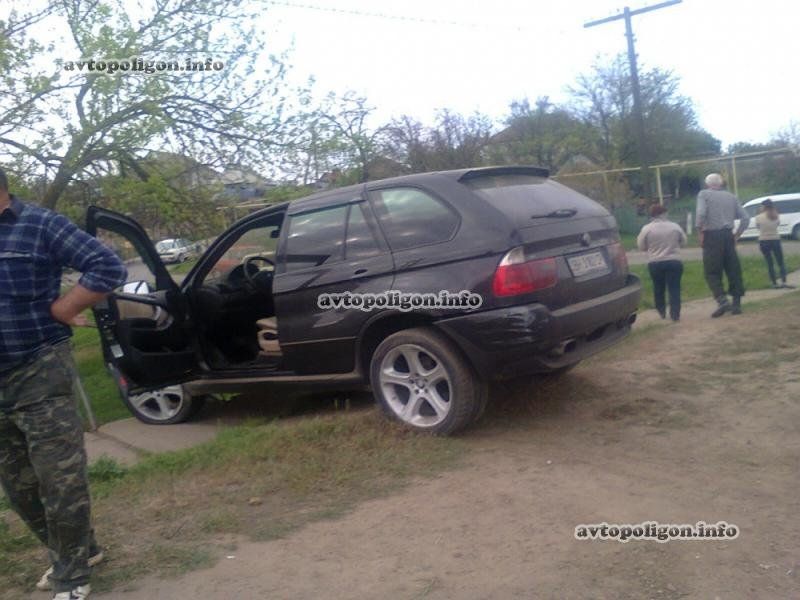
561,213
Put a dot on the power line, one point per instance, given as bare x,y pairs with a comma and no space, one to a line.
388,16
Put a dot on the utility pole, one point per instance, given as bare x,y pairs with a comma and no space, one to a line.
638,113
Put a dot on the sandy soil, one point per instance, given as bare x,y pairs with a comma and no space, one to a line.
694,421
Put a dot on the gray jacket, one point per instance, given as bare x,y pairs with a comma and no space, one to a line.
718,209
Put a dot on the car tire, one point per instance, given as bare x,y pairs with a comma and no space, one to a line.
796,233
164,406
422,380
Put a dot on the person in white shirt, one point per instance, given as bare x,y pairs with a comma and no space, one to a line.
663,239
769,240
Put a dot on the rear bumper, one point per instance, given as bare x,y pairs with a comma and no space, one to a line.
520,340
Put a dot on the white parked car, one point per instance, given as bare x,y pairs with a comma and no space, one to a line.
787,205
175,250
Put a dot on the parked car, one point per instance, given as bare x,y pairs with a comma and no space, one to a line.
788,206
175,250
545,261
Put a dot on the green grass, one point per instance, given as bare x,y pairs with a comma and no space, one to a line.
629,241
693,283
182,268
100,388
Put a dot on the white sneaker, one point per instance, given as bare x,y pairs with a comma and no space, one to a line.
79,593
44,583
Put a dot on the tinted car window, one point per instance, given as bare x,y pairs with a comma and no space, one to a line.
411,217
360,242
315,238
527,199
789,206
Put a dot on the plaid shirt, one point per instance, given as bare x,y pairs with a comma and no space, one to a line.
35,244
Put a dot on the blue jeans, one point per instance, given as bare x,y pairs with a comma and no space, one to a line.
768,248
667,275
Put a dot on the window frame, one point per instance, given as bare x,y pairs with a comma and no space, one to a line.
370,220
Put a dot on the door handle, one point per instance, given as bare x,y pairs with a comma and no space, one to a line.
359,272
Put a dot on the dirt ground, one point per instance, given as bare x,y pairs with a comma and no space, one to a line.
687,422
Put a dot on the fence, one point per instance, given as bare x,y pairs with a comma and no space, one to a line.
676,183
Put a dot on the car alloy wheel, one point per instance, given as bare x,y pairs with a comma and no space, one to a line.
420,378
416,385
163,406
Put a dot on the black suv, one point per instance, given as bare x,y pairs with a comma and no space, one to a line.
473,275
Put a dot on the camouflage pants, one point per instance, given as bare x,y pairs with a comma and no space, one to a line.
43,461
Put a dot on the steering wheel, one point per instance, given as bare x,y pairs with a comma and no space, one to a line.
250,260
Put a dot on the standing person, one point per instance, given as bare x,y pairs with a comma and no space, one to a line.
42,457
769,240
663,239
716,211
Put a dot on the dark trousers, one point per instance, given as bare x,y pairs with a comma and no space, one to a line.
719,255
666,275
768,248
43,461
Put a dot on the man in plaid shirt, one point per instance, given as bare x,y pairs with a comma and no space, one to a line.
42,457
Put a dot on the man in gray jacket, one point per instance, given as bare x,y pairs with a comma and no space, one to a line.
717,209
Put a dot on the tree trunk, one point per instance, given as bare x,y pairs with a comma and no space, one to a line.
56,188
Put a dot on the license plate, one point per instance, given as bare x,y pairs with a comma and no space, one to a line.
584,264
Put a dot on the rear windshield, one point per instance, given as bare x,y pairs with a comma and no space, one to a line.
528,199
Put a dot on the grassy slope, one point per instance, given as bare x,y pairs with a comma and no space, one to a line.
693,284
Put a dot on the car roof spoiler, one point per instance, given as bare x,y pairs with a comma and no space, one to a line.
498,171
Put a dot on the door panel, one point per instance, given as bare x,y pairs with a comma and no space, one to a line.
142,325
317,340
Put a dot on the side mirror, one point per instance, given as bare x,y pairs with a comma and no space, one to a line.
137,287
275,234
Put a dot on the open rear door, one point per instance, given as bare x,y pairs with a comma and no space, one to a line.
143,326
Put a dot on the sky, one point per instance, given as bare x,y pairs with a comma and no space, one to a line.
738,61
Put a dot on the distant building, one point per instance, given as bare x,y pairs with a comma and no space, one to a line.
186,171
243,184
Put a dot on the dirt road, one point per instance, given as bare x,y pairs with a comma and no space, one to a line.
688,422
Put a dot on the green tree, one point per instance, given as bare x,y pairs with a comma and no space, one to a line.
349,136
545,135
71,123
603,100
453,142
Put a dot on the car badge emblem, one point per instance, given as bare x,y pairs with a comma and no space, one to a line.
586,239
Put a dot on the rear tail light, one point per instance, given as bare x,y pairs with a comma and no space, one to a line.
515,275
618,257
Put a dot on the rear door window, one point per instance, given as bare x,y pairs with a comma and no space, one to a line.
412,217
315,238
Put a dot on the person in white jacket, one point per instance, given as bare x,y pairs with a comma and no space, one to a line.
662,240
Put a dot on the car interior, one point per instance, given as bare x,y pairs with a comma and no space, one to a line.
233,304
